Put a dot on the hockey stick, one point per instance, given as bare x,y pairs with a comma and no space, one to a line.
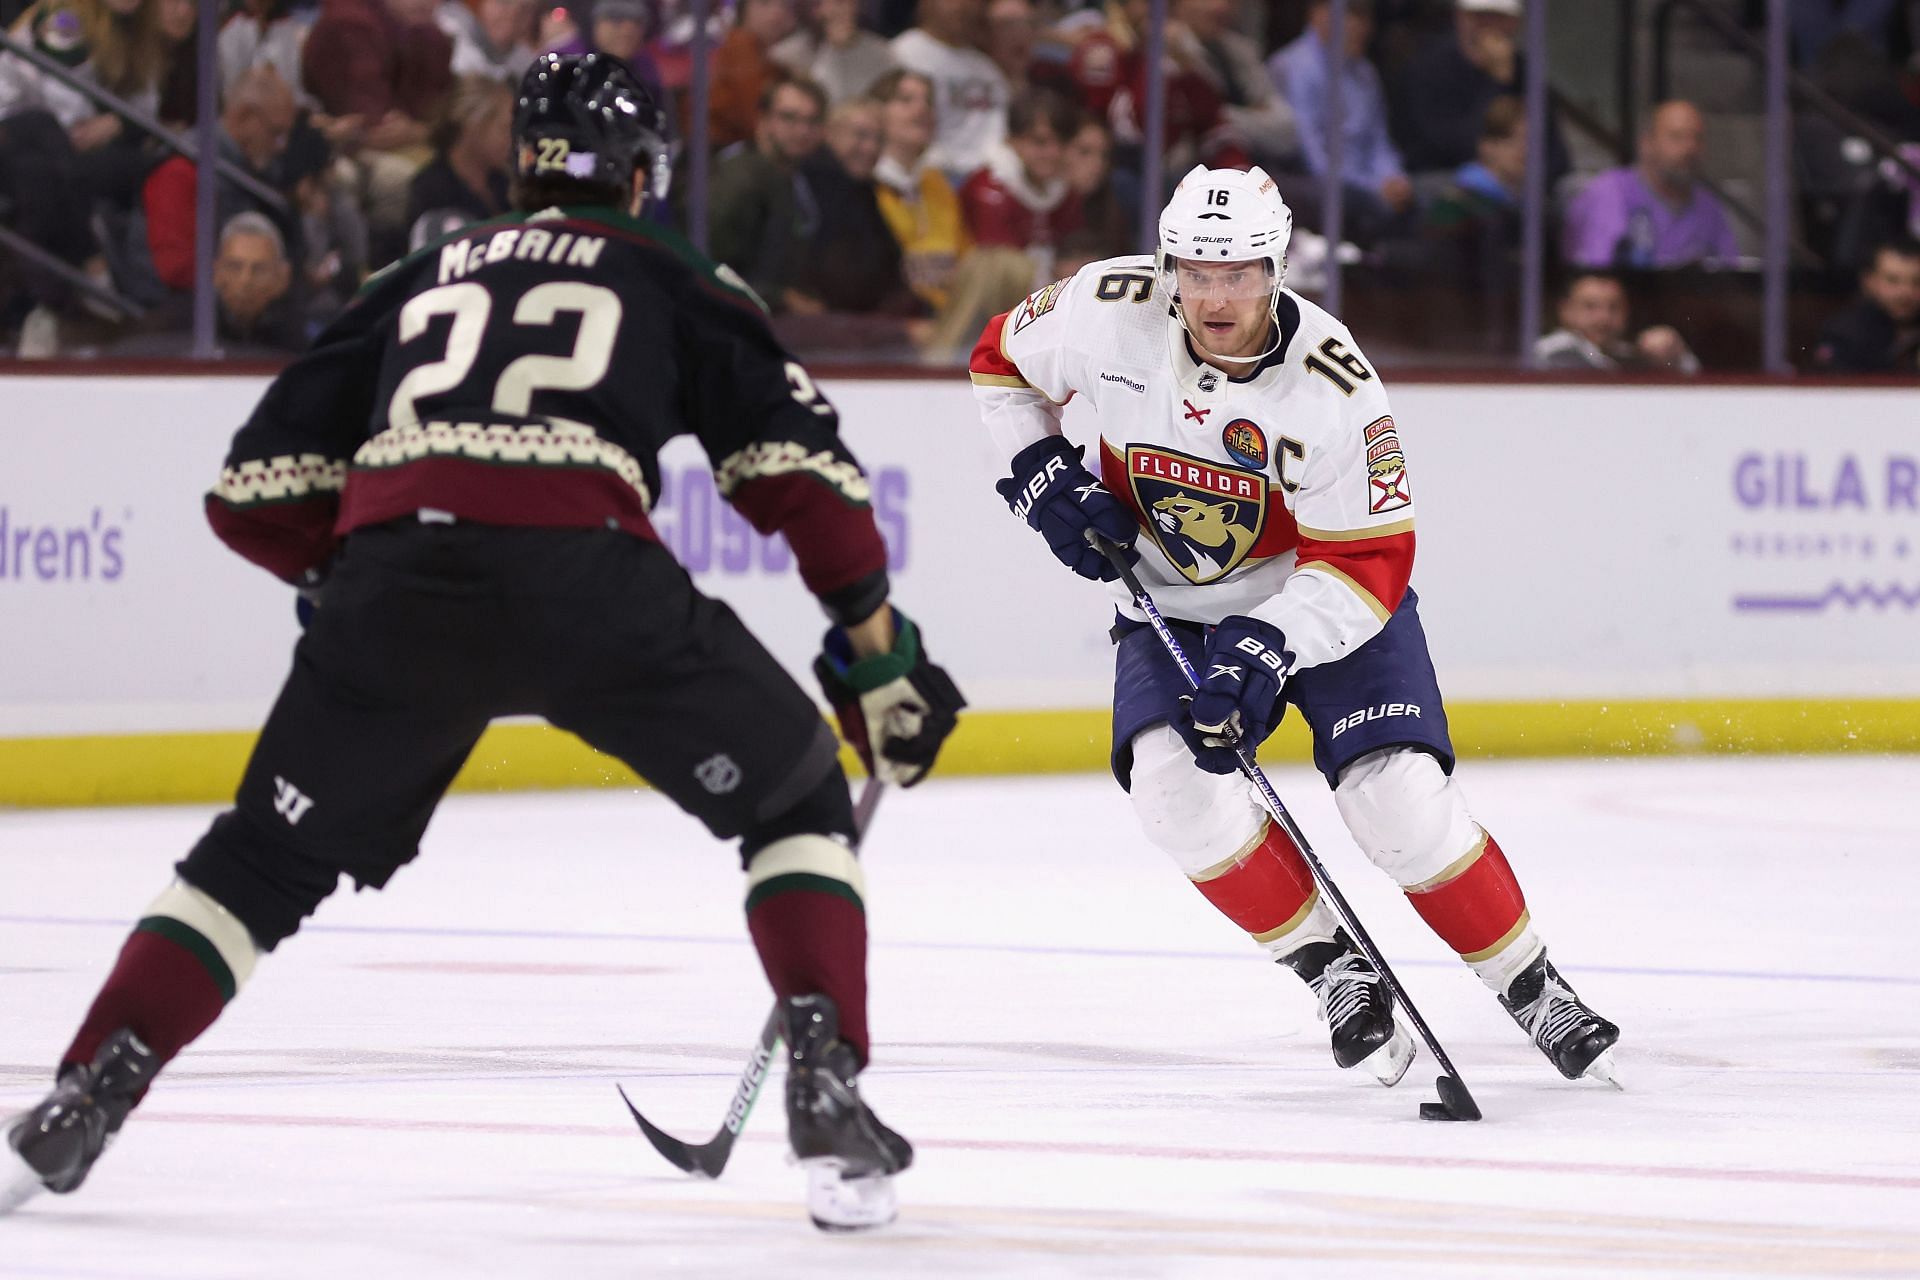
708,1158
1455,1102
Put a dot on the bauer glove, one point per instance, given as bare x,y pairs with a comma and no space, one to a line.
896,708
1057,496
1246,663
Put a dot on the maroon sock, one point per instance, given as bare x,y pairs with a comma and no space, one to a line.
161,988
813,940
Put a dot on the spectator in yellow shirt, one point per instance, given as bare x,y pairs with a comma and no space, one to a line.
962,284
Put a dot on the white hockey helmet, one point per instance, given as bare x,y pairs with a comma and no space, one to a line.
1226,216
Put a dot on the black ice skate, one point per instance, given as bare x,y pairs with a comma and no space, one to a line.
849,1156
1578,1041
53,1147
1355,1005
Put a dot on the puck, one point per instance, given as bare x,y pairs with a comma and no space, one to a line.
1436,1111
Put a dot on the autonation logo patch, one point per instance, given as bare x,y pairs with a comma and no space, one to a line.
35,549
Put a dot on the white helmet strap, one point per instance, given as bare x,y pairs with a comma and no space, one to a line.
1165,269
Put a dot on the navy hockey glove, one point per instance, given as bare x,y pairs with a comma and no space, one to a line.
1246,663
895,709
1059,497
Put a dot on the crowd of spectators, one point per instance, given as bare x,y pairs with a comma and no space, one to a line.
886,173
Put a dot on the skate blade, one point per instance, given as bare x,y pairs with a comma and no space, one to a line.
1390,1061
839,1203
1605,1071
18,1181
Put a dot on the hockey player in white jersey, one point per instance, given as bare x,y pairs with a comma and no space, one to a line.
1246,435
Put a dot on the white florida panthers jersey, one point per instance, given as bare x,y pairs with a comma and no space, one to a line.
1281,492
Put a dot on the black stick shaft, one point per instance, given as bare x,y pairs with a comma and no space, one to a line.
1258,777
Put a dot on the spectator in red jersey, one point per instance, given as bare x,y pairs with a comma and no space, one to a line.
1108,69
743,67
1022,198
255,124
386,66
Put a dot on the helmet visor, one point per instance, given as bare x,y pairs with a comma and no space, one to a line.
1222,281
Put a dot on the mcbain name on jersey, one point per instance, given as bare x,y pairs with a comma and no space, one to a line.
524,244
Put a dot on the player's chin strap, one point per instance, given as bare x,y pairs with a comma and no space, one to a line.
1273,312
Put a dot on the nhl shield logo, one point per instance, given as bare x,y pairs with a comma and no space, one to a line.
718,774
1205,517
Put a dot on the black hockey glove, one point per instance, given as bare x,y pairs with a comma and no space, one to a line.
895,709
1246,663
1059,497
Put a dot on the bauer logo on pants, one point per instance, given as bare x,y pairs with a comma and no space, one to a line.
1205,516
718,774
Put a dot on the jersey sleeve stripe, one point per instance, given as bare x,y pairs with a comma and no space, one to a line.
1358,535
990,357
1367,597
998,380
1377,568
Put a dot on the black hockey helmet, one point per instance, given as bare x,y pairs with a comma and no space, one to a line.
586,118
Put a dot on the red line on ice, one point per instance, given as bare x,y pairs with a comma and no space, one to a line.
508,1127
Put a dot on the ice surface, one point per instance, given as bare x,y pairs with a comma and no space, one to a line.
1102,1077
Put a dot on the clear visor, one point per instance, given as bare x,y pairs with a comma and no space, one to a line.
1221,281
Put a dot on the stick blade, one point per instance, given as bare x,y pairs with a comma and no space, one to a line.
701,1161
1455,1102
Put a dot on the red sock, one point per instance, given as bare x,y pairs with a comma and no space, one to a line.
813,940
1477,908
1267,890
160,989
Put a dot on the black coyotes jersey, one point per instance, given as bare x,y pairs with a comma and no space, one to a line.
527,371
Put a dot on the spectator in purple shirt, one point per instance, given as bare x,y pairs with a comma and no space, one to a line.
1378,195
1657,213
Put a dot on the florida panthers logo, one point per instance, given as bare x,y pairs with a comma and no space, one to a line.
1205,517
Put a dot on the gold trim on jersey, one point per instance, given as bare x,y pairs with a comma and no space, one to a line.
559,442
784,457
1358,535
281,478
1367,597
999,380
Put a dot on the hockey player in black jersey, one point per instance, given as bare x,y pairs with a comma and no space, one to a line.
462,469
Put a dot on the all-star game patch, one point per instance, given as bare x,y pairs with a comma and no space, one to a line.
1386,469
1037,304
1204,516
1246,442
